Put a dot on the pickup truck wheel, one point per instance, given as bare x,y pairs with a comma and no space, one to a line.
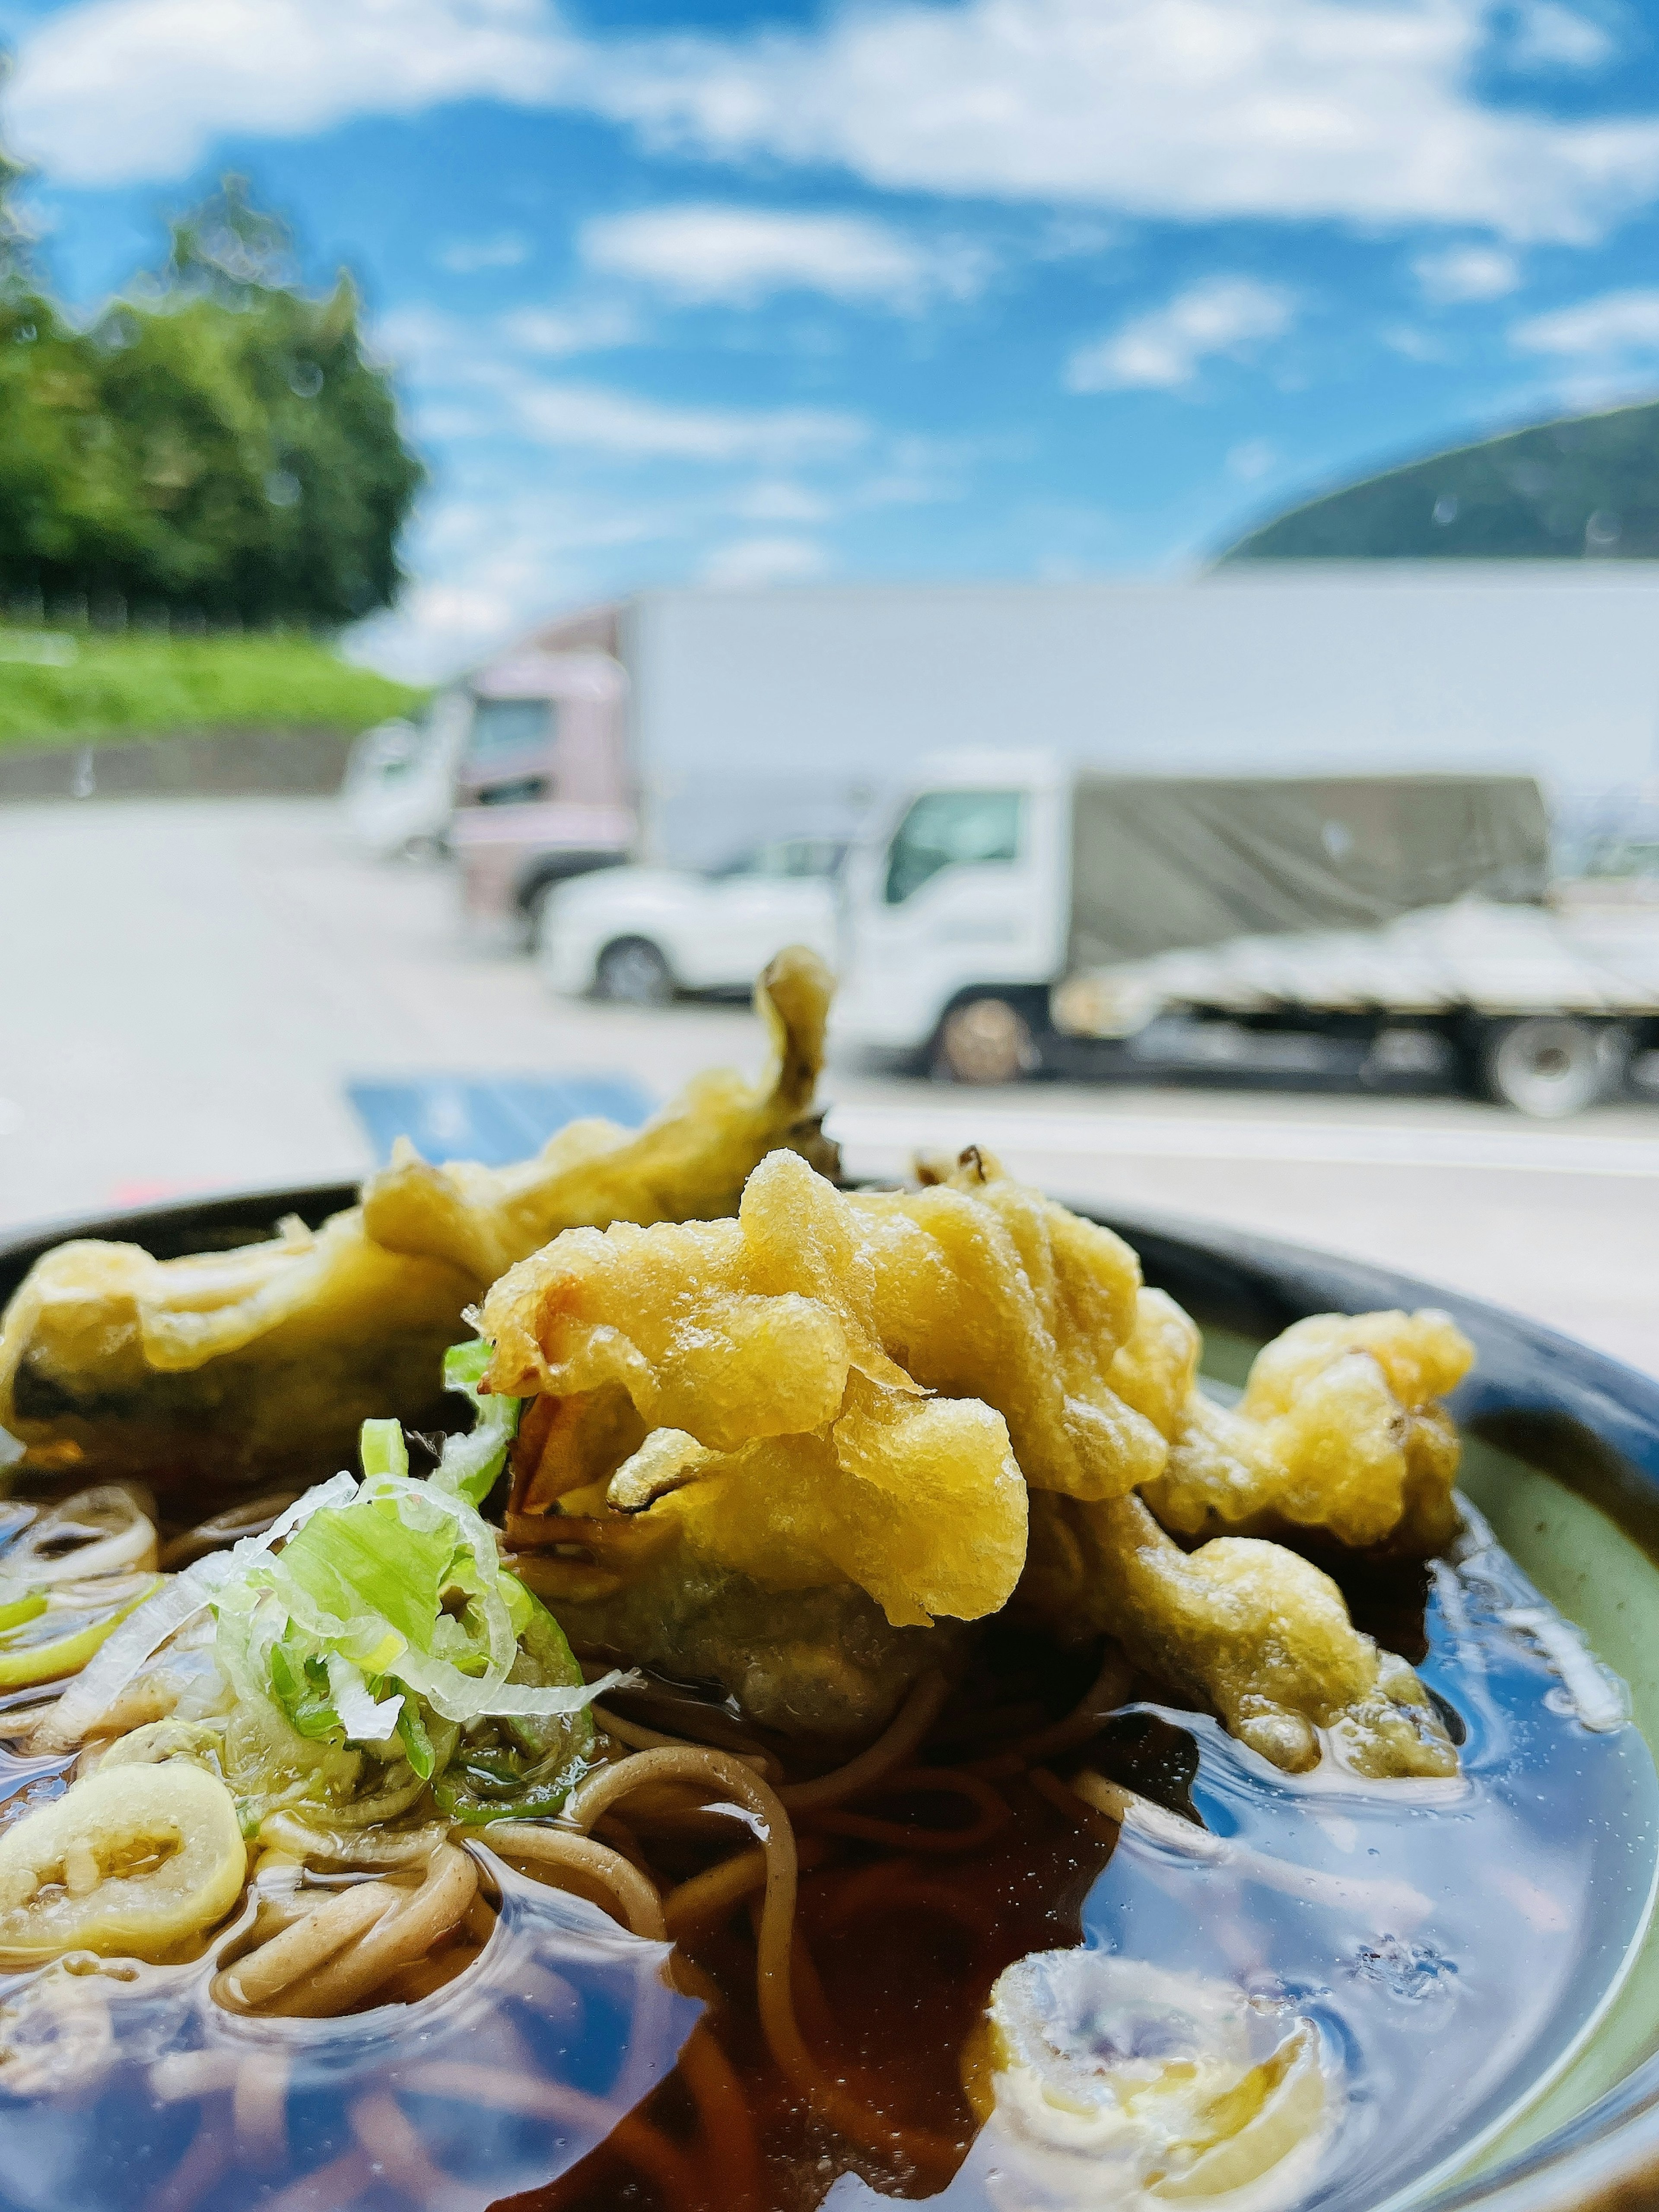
634,973
984,1039
1549,1066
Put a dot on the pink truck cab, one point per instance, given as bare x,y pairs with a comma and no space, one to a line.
541,789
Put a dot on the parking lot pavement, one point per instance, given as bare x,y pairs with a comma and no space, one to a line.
189,985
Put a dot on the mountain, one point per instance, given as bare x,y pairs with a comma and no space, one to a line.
1583,487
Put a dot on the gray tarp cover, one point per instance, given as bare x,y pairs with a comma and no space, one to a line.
1158,864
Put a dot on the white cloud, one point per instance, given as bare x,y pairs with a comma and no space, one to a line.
1548,37
1362,111
1458,274
465,257
1074,237
478,383
599,419
583,327
741,254
435,629
752,561
493,559
775,500
1353,109
109,91
436,347
1424,346
416,336
1165,348
1616,325
1251,460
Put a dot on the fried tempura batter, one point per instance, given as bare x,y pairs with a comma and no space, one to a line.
1338,1430
262,1362
734,1331
829,1389
1245,1626
689,1163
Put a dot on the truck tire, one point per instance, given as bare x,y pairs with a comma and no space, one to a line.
632,972
1550,1066
984,1039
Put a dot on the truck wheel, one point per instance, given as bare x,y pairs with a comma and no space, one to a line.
634,973
1550,1066
984,1039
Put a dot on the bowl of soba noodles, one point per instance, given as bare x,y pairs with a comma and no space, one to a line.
656,1677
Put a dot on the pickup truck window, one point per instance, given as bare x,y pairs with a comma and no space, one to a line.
951,829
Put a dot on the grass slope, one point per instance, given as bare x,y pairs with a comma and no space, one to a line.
144,685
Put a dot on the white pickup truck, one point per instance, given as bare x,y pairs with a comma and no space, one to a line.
1010,917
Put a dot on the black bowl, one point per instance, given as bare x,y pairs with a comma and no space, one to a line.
1554,1404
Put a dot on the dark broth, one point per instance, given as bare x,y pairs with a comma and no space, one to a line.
562,2071
1495,1915
896,1953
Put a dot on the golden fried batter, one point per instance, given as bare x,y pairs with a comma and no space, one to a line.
876,1499
734,1331
1338,1430
262,1362
689,1163
1245,1626
829,1390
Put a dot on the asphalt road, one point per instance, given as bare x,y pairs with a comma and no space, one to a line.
188,984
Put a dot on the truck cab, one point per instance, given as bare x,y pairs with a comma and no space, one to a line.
1009,915
542,791
954,917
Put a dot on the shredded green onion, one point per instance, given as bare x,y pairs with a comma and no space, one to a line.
471,1465
383,1646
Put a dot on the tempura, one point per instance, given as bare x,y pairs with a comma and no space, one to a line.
263,1362
864,1388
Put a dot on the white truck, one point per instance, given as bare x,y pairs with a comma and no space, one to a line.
1009,916
680,727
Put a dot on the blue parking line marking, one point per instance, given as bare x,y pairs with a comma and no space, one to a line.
493,1119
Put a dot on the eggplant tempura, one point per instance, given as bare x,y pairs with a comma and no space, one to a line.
262,1362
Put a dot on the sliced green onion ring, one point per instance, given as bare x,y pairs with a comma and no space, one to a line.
51,1633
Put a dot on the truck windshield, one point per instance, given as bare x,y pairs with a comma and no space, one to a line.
504,726
952,828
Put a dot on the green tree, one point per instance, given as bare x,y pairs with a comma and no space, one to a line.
216,443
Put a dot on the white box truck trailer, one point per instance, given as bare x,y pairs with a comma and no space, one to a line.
1008,917
678,726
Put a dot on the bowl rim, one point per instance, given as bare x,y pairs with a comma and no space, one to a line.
1577,1400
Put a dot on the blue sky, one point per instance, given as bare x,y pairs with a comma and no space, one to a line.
758,293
